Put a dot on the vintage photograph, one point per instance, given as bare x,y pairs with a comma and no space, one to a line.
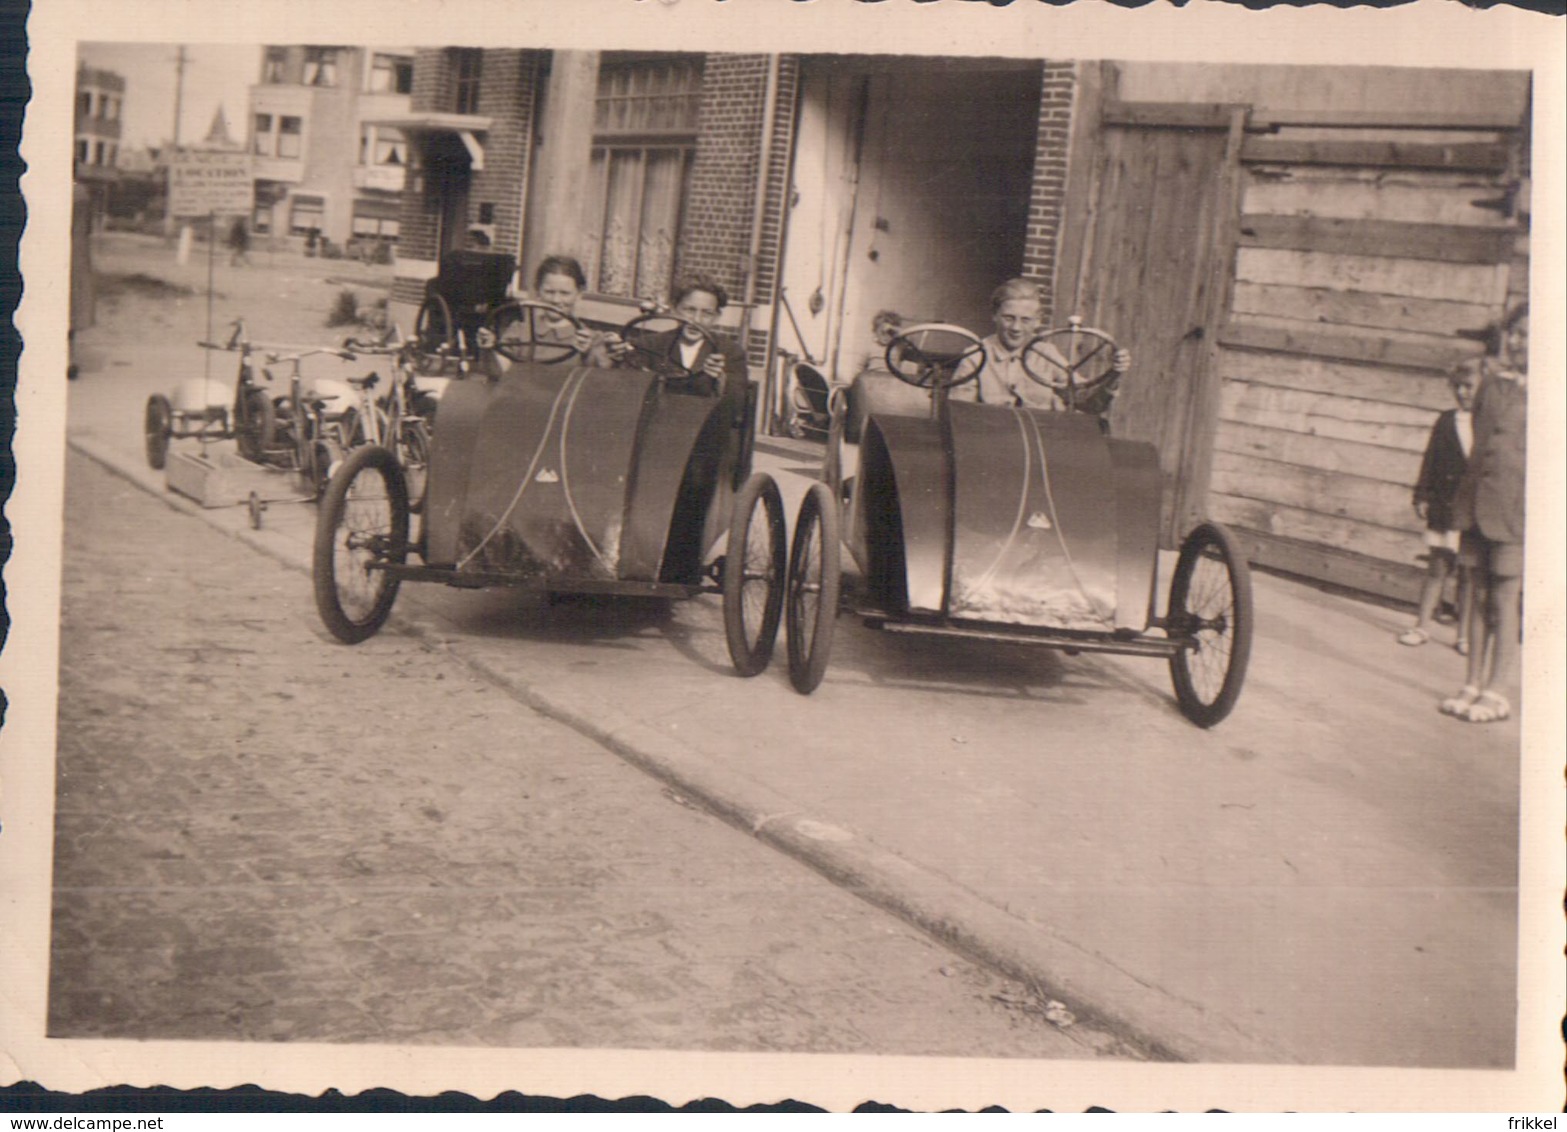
663,541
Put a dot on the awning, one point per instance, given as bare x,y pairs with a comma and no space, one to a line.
465,126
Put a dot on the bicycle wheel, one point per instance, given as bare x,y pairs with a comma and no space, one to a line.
413,452
362,524
434,330
1210,604
754,568
811,607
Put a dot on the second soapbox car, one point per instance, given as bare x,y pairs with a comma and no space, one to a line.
569,479
1015,524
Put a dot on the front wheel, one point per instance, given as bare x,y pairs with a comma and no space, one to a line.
413,452
1211,609
158,426
811,608
754,567
362,524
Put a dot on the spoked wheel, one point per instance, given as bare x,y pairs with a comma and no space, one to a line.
434,331
413,452
812,605
1210,606
363,521
754,567
255,424
158,426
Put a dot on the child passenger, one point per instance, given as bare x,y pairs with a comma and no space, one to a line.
1446,458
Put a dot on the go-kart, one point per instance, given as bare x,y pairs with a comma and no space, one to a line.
1007,523
567,479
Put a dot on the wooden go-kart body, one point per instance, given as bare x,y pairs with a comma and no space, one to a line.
567,478
1004,515
1014,523
559,477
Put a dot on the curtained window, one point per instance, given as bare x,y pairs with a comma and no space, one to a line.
644,137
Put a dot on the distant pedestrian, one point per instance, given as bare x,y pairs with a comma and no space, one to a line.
239,242
1442,470
1489,508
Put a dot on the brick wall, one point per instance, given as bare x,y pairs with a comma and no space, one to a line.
719,208
507,96
433,90
715,231
1057,103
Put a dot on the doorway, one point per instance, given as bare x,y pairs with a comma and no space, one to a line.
911,192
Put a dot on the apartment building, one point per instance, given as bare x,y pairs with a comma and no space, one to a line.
320,169
100,100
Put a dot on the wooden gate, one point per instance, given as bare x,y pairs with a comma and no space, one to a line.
1294,287
1151,267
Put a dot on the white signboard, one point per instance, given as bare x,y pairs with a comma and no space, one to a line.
203,182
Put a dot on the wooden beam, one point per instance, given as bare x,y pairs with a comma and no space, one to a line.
1363,309
1420,389
1448,243
1183,115
1480,156
1397,547
1323,453
1478,283
1440,356
1481,119
1337,494
1339,568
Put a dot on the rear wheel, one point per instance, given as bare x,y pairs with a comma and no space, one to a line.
255,424
754,567
363,521
434,330
1210,606
158,426
812,605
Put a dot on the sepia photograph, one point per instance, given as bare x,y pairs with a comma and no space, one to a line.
937,555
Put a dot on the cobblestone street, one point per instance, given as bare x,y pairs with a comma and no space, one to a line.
264,836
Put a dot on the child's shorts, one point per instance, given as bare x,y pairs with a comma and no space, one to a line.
1498,559
1441,540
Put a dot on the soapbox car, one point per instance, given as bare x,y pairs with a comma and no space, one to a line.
1011,524
568,479
278,416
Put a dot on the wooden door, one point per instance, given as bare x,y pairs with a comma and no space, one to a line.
1152,269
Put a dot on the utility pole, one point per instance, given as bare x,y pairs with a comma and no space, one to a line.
183,255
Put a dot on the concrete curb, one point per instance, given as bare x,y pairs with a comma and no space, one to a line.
1152,1022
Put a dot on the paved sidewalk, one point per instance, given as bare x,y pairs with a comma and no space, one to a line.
1329,877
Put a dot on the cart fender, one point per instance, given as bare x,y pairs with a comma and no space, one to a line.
556,472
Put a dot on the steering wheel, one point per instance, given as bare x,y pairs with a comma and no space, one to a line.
1072,360
644,343
935,355
530,331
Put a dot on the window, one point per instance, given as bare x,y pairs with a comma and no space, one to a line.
84,104
262,142
261,218
97,153
376,220
112,109
382,145
467,63
649,96
644,138
391,74
289,136
305,213
320,66
81,150
273,65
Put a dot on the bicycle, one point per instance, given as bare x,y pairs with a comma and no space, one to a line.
399,419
